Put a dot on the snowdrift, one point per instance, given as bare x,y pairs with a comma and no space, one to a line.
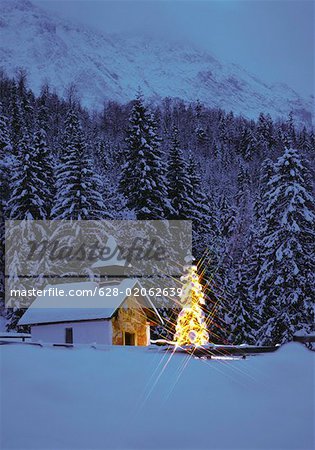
144,398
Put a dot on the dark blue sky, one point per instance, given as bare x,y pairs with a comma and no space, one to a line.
273,39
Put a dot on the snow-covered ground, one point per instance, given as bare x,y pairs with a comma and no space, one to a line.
140,398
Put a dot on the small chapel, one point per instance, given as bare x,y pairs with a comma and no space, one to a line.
120,319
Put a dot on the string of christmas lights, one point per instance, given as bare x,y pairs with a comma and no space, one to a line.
191,327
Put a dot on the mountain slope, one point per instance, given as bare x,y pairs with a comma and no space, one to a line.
112,67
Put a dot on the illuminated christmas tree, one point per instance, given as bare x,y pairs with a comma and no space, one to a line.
191,326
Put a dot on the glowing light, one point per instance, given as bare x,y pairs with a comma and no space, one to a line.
191,328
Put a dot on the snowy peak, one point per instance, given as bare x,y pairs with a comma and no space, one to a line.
105,67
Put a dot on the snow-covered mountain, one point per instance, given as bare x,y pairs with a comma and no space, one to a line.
112,67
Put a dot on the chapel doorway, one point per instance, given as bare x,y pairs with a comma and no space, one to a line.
129,338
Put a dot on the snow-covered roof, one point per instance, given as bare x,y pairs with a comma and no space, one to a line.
67,308
13,334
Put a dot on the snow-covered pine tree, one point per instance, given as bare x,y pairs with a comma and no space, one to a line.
29,200
16,118
244,210
225,159
254,257
265,138
266,172
42,108
247,144
244,320
78,186
285,280
105,160
223,130
102,155
26,97
202,139
303,140
243,186
179,184
290,133
214,149
15,308
204,222
28,189
219,273
241,314
226,217
5,158
18,236
44,161
116,208
143,180
5,163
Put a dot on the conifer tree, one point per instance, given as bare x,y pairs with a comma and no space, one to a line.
254,246
266,173
179,185
201,135
5,164
43,108
18,236
28,190
5,157
43,160
285,279
218,270
16,307
244,210
204,221
290,135
78,186
226,217
303,140
247,145
223,130
17,122
265,133
102,155
29,200
191,328
143,180
243,315
214,149
243,183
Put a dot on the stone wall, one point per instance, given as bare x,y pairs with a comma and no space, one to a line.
130,318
